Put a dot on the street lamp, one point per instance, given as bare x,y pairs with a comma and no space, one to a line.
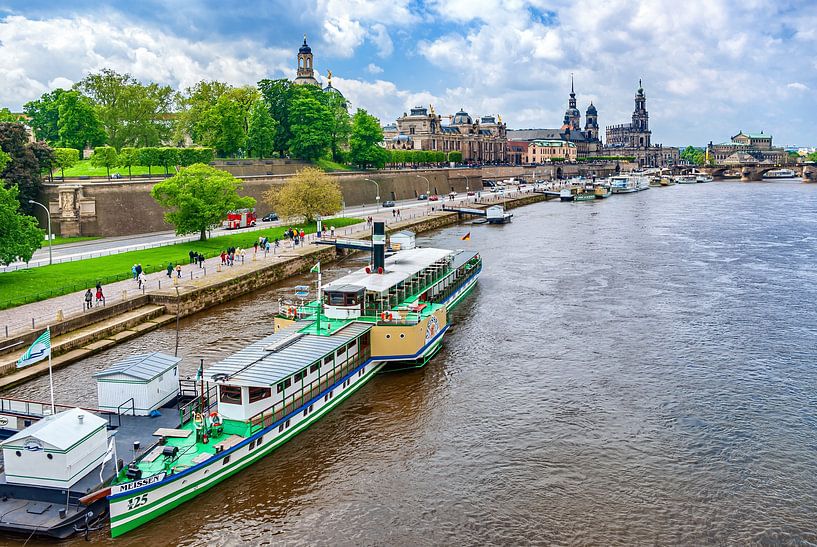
427,182
377,198
47,216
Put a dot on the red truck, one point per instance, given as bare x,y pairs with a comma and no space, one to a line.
240,219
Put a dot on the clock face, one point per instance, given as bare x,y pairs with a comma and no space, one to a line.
432,328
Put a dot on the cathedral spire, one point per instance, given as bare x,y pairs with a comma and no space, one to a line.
571,84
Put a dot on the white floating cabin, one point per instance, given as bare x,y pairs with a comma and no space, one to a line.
150,379
402,241
56,451
496,215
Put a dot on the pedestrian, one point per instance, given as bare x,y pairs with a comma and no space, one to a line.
398,213
192,255
138,269
134,272
201,260
266,247
169,269
98,286
223,258
303,236
88,300
255,248
140,280
242,255
394,213
99,296
179,271
332,232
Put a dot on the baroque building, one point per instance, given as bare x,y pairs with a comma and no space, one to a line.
634,138
481,140
587,143
306,72
746,148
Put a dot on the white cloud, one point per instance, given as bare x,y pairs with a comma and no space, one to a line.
372,68
39,55
380,37
797,86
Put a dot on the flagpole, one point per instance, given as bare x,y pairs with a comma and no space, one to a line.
320,298
50,374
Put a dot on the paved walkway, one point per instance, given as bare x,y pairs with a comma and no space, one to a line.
20,319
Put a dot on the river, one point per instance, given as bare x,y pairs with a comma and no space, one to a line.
638,370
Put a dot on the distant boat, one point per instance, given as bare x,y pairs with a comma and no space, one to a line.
625,184
780,174
686,179
565,194
702,177
666,180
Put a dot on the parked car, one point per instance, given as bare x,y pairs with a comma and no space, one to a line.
270,217
471,193
422,197
388,203
433,198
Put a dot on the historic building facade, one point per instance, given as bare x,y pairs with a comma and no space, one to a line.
587,143
483,140
635,138
540,151
746,148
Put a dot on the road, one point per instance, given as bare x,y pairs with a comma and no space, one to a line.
114,245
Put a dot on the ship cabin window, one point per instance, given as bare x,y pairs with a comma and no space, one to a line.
299,375
230,394
344,296
259,393
314,368
284,385
327,360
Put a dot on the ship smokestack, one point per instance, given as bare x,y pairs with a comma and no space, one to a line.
379,247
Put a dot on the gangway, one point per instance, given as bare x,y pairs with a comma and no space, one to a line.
341,243
548,193
461,211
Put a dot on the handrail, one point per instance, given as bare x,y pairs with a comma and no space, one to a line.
119,414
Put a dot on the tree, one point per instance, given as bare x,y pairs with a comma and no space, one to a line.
24,170
6,115
44,116
309,193
199,197
168,156
812,156
364,145
65,158
132,113
45,157
19,234
695,156
277,96
310,128
149,157
105,156
455,156
340,126
261,130
78,125
191,104
222,127
128,157
189,156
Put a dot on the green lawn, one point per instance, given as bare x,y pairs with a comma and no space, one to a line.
59,240
34,284
329,165
84,168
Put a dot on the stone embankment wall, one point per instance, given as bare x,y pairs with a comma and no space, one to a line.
125,207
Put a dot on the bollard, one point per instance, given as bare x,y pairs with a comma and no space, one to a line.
218,267
143,288
175,281
125,294
205,272
32,322
60,316
7,331
191,275
160,284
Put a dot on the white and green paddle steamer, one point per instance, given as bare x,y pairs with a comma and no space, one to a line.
393,313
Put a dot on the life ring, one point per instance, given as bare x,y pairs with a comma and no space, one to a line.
215,419
198,420
386,316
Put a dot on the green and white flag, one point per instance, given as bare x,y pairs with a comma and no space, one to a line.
316,268
39,350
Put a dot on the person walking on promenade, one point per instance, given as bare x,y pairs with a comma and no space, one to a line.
179,271
88,300
303,237
332,232
138,269
201,260
169,269
99,296
140,280
223,257
242,255
255,248
266,249
192,255
134,272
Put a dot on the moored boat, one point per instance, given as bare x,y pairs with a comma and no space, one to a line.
779,174
703,177
625,184
686,179
566,195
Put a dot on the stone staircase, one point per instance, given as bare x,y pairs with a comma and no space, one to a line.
82,342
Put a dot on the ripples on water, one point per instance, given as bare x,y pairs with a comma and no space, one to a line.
633,371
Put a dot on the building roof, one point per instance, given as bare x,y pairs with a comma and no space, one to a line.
553,143
462,118
591,110
142,366
449,129
305,47
280,355
61,430
399,267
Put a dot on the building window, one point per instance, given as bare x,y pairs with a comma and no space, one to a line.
230,395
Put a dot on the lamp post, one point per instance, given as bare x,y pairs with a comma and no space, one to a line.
377,198
428,183
48,217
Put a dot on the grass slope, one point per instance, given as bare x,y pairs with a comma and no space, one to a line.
84,168
35,284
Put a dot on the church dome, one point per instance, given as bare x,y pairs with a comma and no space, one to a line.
572,112
462,118
331,89
305,47
591,110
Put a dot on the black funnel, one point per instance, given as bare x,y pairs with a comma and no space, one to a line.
379,247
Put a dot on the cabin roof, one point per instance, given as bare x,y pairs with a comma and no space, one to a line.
142,366
399,267
61,430
263,364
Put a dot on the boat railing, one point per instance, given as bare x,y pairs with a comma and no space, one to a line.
36,409
204,403
269,416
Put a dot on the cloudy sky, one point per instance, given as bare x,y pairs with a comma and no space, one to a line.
710,67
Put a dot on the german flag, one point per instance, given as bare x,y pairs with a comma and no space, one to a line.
466,237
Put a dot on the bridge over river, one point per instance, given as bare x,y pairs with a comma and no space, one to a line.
750,172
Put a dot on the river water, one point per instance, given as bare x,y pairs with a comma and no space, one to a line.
638,370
